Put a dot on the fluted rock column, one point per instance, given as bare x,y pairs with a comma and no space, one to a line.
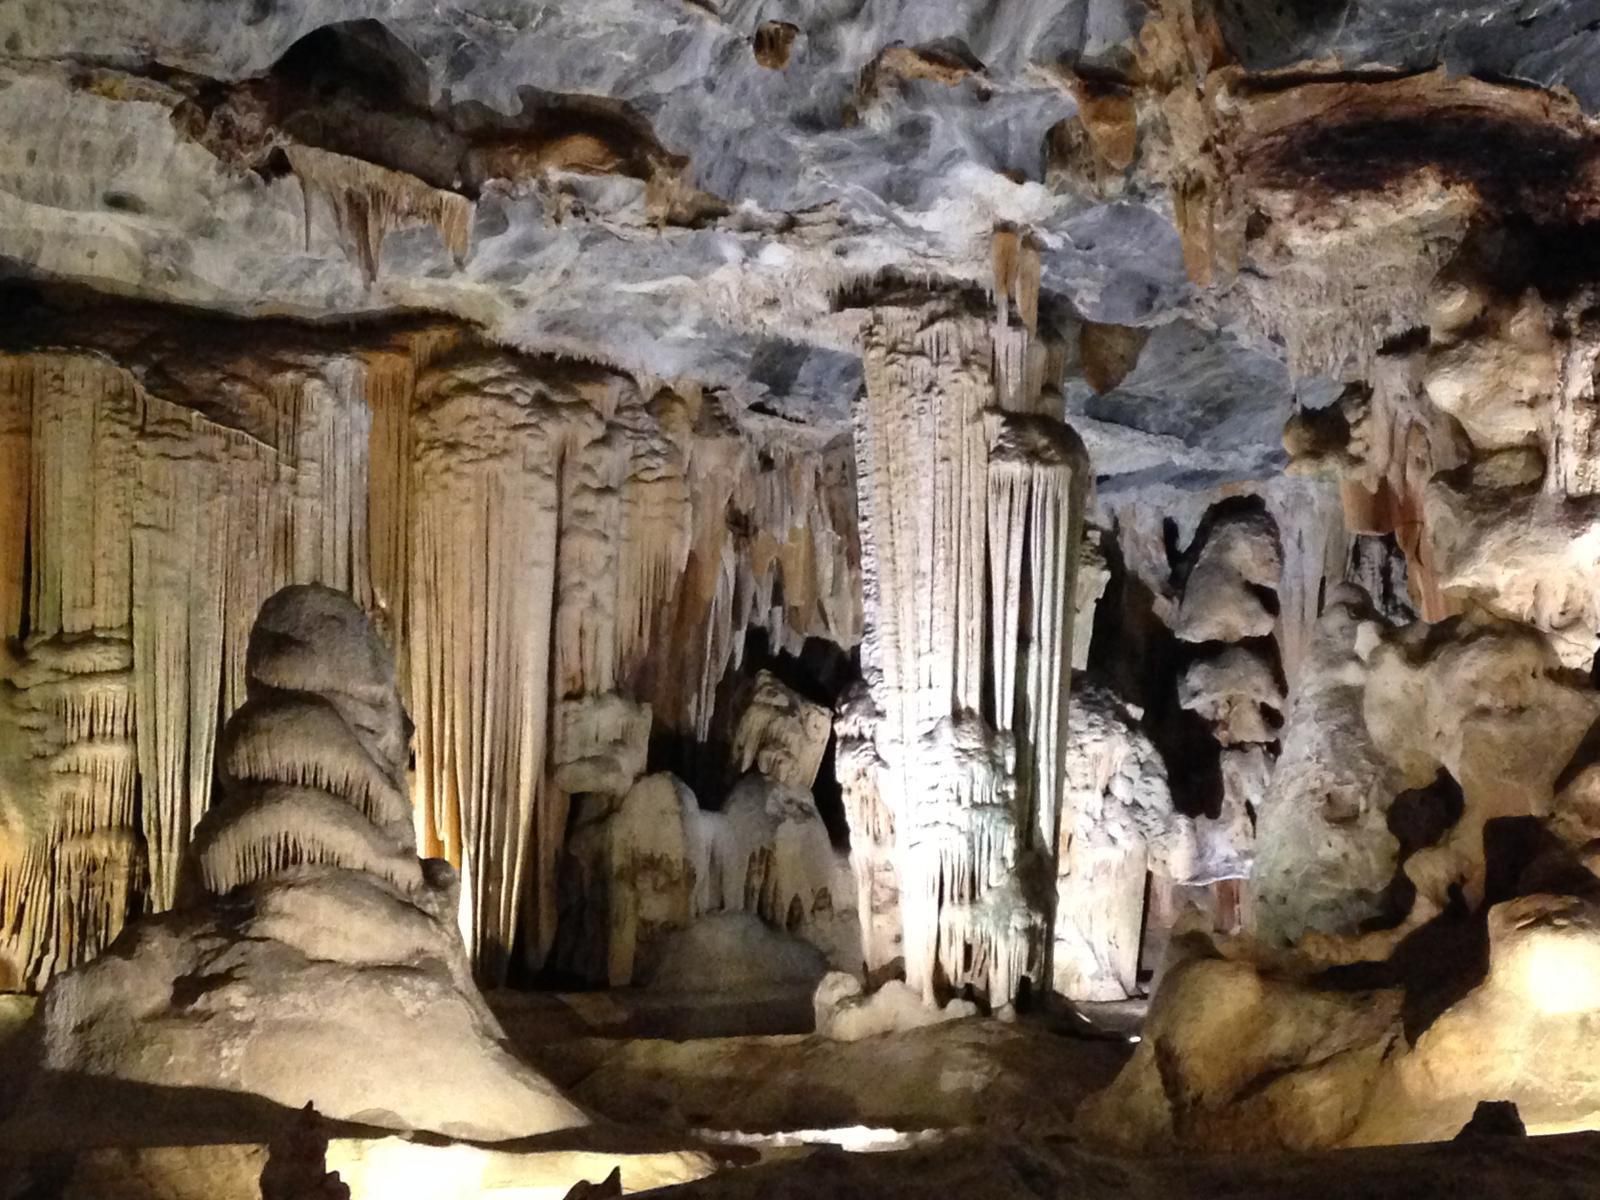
971,517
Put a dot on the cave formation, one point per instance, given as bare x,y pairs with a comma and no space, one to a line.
603,597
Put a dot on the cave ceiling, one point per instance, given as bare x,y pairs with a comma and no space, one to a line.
696,190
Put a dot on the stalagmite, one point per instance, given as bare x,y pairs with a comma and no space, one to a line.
1330,791
632,871
639,868
768,853
311,936
872,831
1119,825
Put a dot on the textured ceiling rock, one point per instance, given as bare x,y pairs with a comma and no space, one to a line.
690,189
1548,42
854,158
644,183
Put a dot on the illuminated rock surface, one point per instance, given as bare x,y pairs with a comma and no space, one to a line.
314,940
1018,509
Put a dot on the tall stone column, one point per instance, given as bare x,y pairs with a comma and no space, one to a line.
972,510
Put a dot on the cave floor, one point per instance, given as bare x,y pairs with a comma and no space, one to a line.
726,1097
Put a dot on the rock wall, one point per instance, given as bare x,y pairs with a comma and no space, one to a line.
1426,905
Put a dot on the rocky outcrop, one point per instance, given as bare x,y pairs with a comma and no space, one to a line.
847,1013
781,734
1424,900
643,866
1324,853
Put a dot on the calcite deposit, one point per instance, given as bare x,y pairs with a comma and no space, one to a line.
799,522
163,499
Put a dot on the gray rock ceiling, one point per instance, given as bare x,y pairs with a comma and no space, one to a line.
827,173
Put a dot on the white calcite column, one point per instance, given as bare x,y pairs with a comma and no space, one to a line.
971,519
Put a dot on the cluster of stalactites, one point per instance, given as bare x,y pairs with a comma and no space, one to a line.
971,507
584,531
140,522
69,862
369,202
510,527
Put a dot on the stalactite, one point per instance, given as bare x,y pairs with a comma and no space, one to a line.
370,202
1028,274
1315,547
591,470
485,490
16,456
656,528
1406,442
1037,481
389,384
1005,247
69,859
759,516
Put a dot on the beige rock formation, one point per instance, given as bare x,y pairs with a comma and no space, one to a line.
653,864
970,498
317,959
768,853
1089,585
1234,1059
872,831
1238,559
1421,872
781,734
1324,852
847,1013
164,478
633,866
1117,827
1233,692
1265,1055
601,743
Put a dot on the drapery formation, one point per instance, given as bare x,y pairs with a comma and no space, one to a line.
532,537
